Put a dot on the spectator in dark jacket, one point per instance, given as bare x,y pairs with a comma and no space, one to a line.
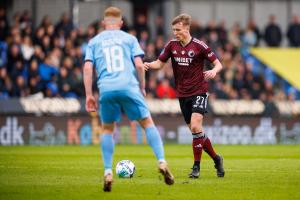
273,34
293,33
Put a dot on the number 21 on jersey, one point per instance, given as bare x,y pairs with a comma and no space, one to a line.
114,59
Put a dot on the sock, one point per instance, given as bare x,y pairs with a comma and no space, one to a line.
107,148
155,142
197,147
197,163
209,149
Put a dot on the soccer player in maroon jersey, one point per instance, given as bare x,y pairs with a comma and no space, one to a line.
188,55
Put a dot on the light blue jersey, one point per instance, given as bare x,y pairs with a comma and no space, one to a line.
112,53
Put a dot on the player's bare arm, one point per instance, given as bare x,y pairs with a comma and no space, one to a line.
210,74
157,64
141,73
90,102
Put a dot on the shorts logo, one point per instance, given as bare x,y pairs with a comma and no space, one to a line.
198,105
191,53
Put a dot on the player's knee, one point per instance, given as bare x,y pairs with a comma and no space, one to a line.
146,122
108,128
196,128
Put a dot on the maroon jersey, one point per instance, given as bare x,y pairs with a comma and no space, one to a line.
188,64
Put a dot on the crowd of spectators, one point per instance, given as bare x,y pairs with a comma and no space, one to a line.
48,58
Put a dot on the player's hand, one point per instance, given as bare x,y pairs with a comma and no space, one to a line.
91,104
147,66
210,74
143,92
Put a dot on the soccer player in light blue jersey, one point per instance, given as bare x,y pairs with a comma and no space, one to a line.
117,57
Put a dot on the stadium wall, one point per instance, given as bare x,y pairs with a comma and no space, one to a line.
85,130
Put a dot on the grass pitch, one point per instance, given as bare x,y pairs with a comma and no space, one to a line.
75,172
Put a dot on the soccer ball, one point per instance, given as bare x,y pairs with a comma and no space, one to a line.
125,169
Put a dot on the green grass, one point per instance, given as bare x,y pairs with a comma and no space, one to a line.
75,172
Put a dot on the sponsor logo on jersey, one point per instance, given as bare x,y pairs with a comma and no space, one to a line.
183,61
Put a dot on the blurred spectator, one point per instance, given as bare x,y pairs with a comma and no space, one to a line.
27,48
234,35
47,71
14,56
273,35
4,25
222,33
293,32
125,26
151,86
5,84
51,89
252,26
20,88
159,25
141,25
197,30
3,54
211,26
65,83
65,25
249,38
159,45
150,53
213,40
164,90
270,107
144,39
46,22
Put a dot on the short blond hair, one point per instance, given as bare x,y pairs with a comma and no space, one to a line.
113,12
185,19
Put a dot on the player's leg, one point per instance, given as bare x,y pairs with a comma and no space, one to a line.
107,149
110,112
203,142
136,109
196,129
153,137
199,138
154,140
186,105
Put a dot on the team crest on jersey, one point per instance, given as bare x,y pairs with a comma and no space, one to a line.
191,53
182,52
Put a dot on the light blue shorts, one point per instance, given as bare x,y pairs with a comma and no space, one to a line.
113,103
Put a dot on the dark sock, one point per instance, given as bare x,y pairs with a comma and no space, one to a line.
207,146
197,147
197,163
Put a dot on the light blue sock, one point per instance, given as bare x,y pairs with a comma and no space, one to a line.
154,140
107,148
